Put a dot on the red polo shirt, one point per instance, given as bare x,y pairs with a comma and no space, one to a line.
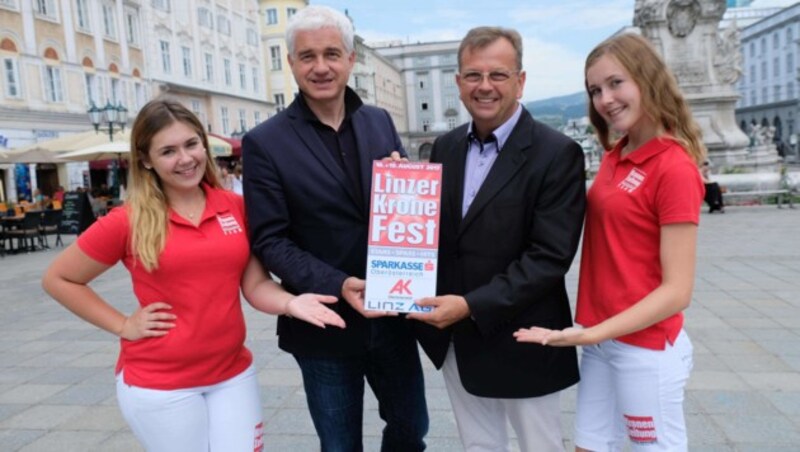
630,199
199,274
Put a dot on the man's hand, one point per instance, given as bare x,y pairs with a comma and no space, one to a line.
447,310
149,321
353,292
394,157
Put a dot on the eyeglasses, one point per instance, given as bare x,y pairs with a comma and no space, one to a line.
494,76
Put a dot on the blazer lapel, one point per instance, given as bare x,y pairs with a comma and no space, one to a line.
365,158
508,163
309,137
455,164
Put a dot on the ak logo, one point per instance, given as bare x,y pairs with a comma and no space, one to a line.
401,287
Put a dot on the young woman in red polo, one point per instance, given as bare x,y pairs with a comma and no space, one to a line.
638,256
185,380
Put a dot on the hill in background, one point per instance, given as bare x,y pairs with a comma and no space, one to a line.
555,111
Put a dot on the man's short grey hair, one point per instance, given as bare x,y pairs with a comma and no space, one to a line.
317,17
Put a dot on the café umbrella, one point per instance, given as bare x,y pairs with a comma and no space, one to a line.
112,150
31,155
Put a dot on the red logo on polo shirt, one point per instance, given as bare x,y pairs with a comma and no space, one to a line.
633,180
229,224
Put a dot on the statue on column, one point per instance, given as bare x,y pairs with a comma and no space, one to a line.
707,62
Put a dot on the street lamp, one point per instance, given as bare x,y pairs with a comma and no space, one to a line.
110,115
238,135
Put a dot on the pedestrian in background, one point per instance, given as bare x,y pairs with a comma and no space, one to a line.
638,258
185,380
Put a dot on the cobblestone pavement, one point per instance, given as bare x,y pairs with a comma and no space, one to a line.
56,372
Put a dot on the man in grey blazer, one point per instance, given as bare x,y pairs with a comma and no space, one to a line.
513,198
307,175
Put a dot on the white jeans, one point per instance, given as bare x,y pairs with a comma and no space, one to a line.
223,417
482,421
633,392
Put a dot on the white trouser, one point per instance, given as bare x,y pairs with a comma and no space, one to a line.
482,420
223,417
633,392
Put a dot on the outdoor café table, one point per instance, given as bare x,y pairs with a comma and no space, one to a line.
13,223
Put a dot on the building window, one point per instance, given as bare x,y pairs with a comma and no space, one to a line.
90,80
763,71
46,8
226,71
109,21
775,41
753,73
224,25
752,49
290,12
424,105
209,60
52,84
11,4
82,11
252,37
255,79
204,18
422,84
226,126
11,76
790,90
426,125
764,98
138,95
449,79
163,5
256,118
196,107
242,76
776,66
272,16
789,36
132,26
450,102
275,58
279,102
763,45
451,123
242,120
790,63
187,61
166,64
753,100
777,92
115,94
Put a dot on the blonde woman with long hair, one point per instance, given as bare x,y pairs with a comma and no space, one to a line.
185,380
638,259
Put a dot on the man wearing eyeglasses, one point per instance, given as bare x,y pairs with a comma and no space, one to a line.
513,204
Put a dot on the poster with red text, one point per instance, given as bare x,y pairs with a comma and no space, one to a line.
403,235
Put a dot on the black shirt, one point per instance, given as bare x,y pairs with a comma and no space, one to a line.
340,143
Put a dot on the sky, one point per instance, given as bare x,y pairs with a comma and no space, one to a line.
557,34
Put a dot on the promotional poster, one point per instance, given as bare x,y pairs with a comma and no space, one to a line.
403,235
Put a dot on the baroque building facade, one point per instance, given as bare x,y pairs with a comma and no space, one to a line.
59,57
770,86
429,73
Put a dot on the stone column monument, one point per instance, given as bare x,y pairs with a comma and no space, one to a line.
706,63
